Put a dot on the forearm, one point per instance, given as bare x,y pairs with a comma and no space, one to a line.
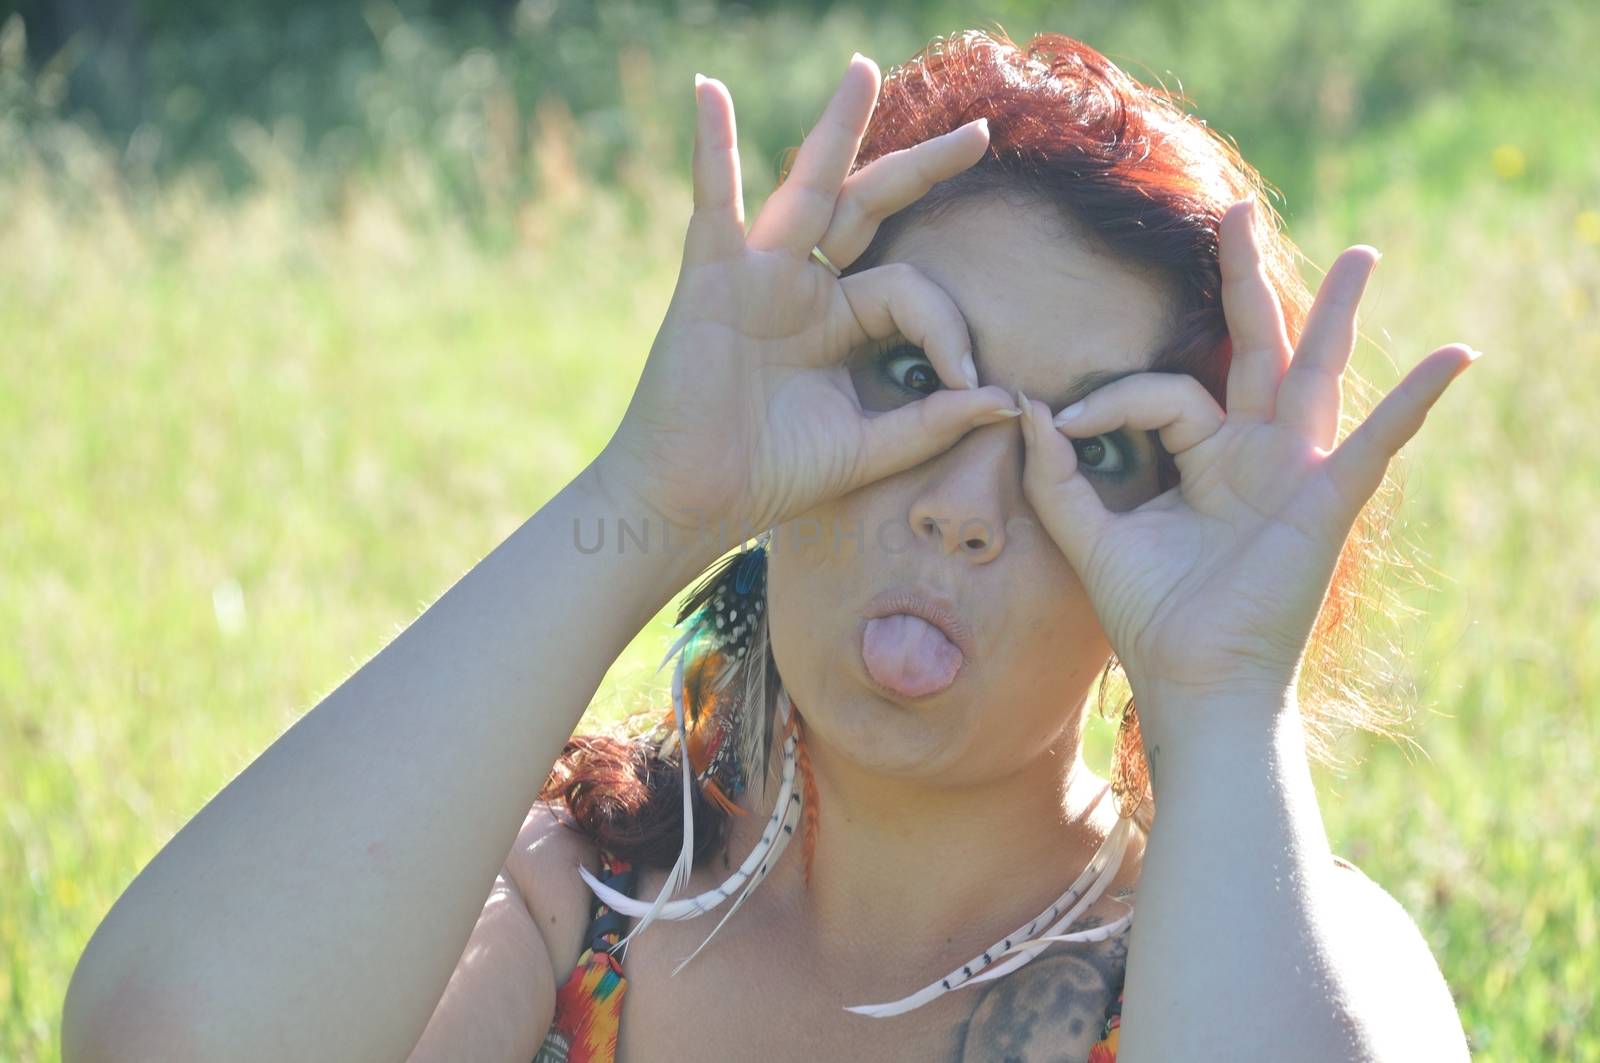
1231,956
316,907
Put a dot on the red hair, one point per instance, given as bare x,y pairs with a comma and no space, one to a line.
1128,169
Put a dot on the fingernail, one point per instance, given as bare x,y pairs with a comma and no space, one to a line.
1071,413
970,370
983,123
1025,410
996,416
699,79
854,56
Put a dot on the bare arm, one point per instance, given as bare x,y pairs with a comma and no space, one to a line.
1209,595
1249,942
316,907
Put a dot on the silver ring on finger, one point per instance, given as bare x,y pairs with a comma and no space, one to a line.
816,253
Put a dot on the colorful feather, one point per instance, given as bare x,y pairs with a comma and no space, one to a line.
725,633
774,839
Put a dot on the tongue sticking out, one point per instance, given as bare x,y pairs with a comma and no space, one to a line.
908,655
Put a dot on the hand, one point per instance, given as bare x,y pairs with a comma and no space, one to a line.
1217,582
745,411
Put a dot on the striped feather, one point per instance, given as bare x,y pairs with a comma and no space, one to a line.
774,839
1102,868
678,877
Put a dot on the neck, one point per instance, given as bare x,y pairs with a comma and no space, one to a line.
922,869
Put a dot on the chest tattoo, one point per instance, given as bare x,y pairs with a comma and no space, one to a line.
1054,1008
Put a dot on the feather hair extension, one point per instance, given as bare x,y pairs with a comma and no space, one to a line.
725,615
774,839
756,710
694,605
678,877
736,607
809,803
726,635
1022,945
755,880
791,816
1023,952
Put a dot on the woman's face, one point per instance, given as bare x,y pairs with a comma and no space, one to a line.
1043,311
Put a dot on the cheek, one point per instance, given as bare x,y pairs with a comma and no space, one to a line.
807,586
786,607
1062,631
1057,651
822,566
1055,629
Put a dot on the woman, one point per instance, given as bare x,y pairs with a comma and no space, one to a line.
947,564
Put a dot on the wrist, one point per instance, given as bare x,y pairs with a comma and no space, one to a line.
1195,722
627,520
1231,773
1246,688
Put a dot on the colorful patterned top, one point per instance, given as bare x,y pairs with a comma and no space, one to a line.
1105,1049
589,1005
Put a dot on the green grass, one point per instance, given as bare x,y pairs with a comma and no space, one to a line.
243,450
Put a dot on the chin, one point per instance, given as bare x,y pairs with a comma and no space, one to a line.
882,734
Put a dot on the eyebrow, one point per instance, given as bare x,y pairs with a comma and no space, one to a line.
1081,385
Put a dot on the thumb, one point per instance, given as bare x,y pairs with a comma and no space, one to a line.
1066,502
894,441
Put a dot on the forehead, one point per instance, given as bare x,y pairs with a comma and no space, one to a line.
1042,307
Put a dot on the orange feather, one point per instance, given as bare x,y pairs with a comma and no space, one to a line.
808,815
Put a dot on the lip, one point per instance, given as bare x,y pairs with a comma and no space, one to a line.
938,611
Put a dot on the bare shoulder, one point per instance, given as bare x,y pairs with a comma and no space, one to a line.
1409,1000
543,864
1362,903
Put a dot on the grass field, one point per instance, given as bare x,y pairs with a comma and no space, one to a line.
243,449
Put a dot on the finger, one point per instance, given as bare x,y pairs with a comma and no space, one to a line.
913,433
893,182
1310,395
716,229
1356,468
1175,406
1067,504
1255,320
898,299
797,213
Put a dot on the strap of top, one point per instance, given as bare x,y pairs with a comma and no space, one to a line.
606,927
589,1004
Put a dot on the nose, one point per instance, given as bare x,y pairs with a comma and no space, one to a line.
961,507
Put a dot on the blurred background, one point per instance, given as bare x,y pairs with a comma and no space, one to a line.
305,307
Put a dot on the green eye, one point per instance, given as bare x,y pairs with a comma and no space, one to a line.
891,373
1102,455
909,368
